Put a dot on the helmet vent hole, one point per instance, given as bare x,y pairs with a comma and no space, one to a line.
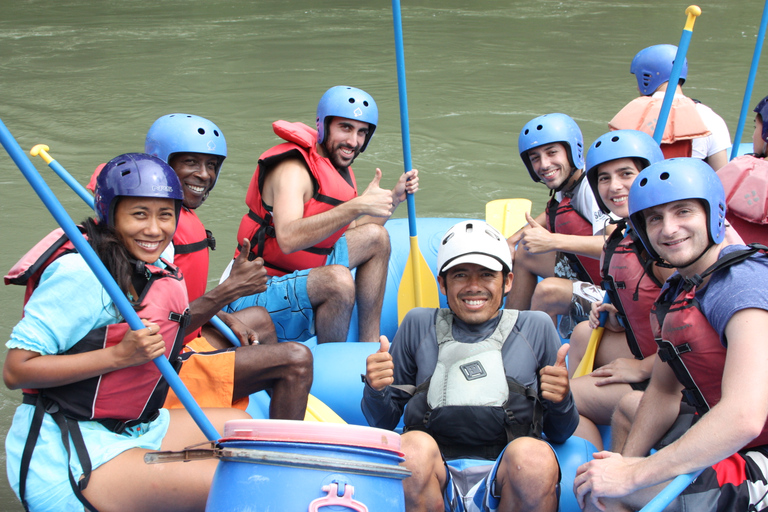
201,131
527,131
598,143
643,182
125,173
216,132
365,103
351,100
445,240
664,176
539,127
615,139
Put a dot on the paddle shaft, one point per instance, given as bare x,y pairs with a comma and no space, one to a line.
81,191
670,492
102,274
750,83
406,136
587,363
682,49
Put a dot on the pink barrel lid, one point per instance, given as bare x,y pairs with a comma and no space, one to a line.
312,432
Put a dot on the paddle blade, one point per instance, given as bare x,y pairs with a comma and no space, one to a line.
587,363
318,411
507,215
417,286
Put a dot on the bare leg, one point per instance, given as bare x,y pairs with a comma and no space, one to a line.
424,488
527,476
588,430
285,368
527,269
331,291
623,417
172,486
369,253
553,296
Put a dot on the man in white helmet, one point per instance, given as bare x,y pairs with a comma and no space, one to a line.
481,384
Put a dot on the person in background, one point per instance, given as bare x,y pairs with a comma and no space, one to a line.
693,129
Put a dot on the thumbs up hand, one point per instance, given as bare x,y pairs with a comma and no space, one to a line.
375,201
379,368
554,379
536,239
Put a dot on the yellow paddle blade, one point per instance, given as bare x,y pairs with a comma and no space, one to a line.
318,411
507,215
417,286
587,363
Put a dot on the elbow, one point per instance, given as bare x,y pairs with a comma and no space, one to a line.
10,380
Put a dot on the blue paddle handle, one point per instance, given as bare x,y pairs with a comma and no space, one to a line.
677,67
72,182
403,96
750,83
224,329
604,314
670,492
102,274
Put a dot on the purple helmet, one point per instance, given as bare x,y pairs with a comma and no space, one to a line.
135,175
762,109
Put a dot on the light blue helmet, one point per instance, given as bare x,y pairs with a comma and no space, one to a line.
348,102
677,179
185,133
620,144
652,67
547,129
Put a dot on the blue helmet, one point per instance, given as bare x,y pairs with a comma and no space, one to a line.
348,102
185,133
620,144
134,175
677,179
652,67
762,109
547,129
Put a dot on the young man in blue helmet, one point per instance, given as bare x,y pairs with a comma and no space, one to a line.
216,373
564,243
480,383
308,223
745,179
693,129
711,319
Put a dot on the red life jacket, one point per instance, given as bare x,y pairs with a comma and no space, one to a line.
745,180
683,124
632,287
689,343
190,246
330,190
563,218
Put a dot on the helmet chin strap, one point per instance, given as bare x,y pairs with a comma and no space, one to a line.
697,258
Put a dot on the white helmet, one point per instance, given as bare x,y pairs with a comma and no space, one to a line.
474,241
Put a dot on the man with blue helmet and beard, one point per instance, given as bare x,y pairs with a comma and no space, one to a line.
481,384
308,223
693,129
217,373
710,321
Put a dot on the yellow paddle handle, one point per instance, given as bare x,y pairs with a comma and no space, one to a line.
42,151
692,11
587,363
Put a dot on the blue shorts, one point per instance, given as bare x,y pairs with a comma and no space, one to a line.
287,301
471,485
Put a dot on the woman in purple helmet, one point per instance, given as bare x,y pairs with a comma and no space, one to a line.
92,397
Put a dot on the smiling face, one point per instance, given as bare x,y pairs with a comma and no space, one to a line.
145,225
474,292
678,233
197,173
613,181
550,163
343,140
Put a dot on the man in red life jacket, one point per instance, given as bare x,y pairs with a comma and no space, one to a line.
564,243
745,180
711,319
308,223
217,373
693,129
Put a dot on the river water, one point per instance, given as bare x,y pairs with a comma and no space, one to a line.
88,79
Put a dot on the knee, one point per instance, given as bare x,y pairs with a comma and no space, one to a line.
624,414
419,448
551,291
529,469
332,283
299,360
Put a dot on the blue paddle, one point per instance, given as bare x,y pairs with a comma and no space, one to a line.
750,82
670,492
102,274
41,150
685,39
